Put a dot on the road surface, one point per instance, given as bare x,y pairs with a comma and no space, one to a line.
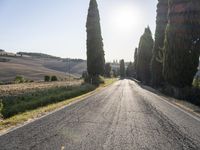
123,116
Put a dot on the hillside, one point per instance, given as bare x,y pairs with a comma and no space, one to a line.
38,55
34,66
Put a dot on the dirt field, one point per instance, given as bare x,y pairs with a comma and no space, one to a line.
14,89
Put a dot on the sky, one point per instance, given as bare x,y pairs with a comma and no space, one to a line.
57,27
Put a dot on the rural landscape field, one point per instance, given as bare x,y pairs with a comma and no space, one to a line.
35,67
100,75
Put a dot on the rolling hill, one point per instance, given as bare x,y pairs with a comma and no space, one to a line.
34,66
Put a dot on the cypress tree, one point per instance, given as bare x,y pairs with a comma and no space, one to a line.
108,70
122,69
135,62
144,56
182,42
130,70
157,59
95,51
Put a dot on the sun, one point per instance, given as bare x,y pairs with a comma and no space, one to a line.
126,18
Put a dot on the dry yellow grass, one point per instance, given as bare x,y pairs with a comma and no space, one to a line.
24,87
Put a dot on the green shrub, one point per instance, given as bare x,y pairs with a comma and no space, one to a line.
196,82
47,78
19,79
95,80
12,105
54,78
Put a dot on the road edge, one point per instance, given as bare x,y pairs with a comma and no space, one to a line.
172,101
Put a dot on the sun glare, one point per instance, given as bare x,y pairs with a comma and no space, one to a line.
126,18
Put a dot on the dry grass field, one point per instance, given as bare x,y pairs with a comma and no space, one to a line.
16,89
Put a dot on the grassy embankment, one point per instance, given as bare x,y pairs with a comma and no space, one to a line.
21,108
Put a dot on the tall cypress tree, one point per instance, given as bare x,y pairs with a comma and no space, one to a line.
122,69
144,56
157,59
95,51
130,70
135,62
135,57
182,42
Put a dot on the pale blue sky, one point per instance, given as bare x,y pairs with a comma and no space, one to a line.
57,27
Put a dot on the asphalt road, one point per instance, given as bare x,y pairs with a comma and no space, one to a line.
121,117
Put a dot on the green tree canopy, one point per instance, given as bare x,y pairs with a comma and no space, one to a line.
95,51
130,70
182,42
157,59
135,61
144,56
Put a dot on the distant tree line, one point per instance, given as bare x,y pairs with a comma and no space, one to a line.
73,60
40,55
122,69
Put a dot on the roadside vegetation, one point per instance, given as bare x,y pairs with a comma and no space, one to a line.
30,105
18,89
20,79
196,82
13,105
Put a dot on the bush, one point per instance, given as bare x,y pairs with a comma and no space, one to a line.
19,79
94,80
54,78
196,82
47,78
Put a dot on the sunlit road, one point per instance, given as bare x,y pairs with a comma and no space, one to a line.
121,117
